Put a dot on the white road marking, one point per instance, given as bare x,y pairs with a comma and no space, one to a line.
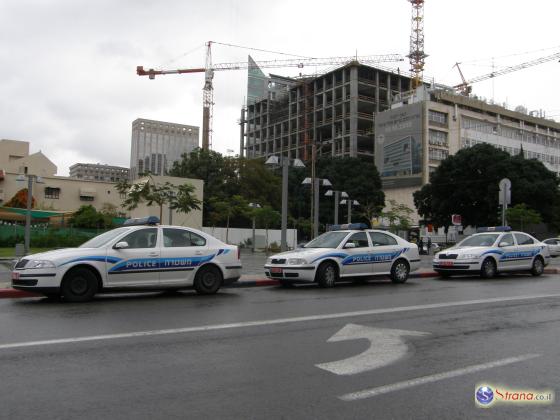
386,347
247,324
373,392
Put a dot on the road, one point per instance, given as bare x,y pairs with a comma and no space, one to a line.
363,351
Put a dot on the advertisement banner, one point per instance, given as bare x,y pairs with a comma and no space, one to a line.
398,146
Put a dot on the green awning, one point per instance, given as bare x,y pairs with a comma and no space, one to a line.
35,214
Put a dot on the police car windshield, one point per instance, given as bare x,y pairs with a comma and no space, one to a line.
104,238
484,239
327,240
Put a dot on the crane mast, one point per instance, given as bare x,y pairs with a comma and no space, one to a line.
417,56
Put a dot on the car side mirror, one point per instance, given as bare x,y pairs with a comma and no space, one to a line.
502,244
121,245
350,245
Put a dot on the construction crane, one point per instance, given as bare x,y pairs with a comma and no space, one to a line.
417,56
464,88
209,69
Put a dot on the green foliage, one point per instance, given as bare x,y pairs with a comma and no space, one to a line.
468,184
398,216
267,217
88,217
519,216
224,210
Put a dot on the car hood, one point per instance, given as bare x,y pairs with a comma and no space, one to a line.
63,255
306,253
466,250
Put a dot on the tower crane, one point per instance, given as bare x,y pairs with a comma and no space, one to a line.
464,88
209,69
417,56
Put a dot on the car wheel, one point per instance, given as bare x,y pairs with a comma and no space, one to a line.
538,267
79,285
400,271
488,268
208,280
327,274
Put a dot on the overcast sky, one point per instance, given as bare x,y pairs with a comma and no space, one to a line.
68,80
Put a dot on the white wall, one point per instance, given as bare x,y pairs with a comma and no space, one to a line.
237,236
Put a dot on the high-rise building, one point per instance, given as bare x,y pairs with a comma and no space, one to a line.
335,111
155,145
99,172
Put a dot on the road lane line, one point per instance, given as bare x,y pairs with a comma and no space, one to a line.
373,392
247,324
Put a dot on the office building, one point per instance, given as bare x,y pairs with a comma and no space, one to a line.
99,172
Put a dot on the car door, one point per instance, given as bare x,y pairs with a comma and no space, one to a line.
384,250
358,261
181,253
526,248
134,259
507,261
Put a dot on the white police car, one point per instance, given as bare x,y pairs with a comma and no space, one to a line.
140,255
492,251
346,251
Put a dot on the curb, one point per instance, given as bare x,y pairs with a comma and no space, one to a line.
10,293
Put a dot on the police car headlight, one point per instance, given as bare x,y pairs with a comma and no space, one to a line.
296,261
39,264
468,257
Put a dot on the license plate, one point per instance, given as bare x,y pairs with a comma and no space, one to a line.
276,270
446,263
15,276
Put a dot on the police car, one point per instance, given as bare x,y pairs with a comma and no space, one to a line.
140,255
491,251
346,251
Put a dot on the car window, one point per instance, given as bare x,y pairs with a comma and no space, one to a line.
523,239
481,239
142,238
359,240
551,241
508,239
173,238
327,240
380,239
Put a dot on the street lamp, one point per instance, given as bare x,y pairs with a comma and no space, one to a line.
285,163
30,179
254,206
350,204
315,184
337,195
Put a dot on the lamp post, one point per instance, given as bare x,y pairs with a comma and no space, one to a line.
254,206
30,179
316,183
284,162
350,204
337,195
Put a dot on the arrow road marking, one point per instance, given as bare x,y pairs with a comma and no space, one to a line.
386,346
373,392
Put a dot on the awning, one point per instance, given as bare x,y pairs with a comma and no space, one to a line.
87,192
35,214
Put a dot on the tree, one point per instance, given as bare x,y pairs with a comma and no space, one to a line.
88,217
468,184
180,198
228,208
268,217
398,216
19,200
520,215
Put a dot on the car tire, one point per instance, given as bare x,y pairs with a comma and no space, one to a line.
79,285
208,280
400,271
538,267
488,269
327,274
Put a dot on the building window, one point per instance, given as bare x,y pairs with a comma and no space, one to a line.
51,192
437,118
437,138
437,154
86,198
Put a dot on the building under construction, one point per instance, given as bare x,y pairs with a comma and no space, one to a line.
334,111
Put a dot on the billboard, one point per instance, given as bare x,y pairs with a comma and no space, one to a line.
398,146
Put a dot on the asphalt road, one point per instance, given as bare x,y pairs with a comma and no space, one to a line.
253,353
